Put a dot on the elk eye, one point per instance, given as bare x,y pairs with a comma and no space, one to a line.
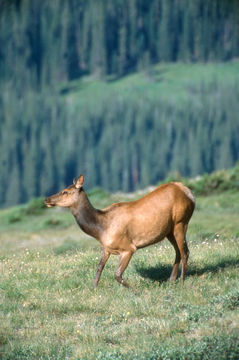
64,192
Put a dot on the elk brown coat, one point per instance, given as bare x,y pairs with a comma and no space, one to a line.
124,227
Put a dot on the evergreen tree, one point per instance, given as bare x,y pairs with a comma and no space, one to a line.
122,139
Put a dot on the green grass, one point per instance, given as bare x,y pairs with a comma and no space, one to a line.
49,309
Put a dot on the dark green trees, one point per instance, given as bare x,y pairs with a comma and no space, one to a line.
52,128
121,141
62,40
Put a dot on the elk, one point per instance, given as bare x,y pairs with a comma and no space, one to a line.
124,227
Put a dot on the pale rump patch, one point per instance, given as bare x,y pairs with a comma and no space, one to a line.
187,191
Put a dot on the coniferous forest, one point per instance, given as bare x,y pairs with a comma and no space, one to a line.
126,91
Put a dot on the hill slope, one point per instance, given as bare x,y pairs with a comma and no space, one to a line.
123,134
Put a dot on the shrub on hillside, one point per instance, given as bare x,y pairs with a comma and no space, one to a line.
218,181
35,206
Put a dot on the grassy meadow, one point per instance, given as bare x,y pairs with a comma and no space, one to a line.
49,309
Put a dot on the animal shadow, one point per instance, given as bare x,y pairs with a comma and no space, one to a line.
159,273
162,272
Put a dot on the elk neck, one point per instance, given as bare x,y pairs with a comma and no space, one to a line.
90,220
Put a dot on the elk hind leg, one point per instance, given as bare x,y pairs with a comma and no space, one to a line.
174,272
180,236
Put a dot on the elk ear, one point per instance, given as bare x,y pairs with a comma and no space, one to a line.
79,182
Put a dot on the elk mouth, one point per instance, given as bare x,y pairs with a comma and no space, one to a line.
49,203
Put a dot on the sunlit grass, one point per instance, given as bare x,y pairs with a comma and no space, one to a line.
49,300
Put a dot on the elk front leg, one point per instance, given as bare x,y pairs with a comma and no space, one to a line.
104,257
123,263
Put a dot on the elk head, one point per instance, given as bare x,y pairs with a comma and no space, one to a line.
68,196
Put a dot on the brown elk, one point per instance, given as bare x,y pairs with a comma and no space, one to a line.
124,227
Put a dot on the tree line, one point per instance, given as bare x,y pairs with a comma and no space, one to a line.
61,40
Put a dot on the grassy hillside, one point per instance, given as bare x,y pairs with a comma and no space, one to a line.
172,82
49,309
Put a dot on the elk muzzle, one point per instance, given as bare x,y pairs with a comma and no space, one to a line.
49,203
